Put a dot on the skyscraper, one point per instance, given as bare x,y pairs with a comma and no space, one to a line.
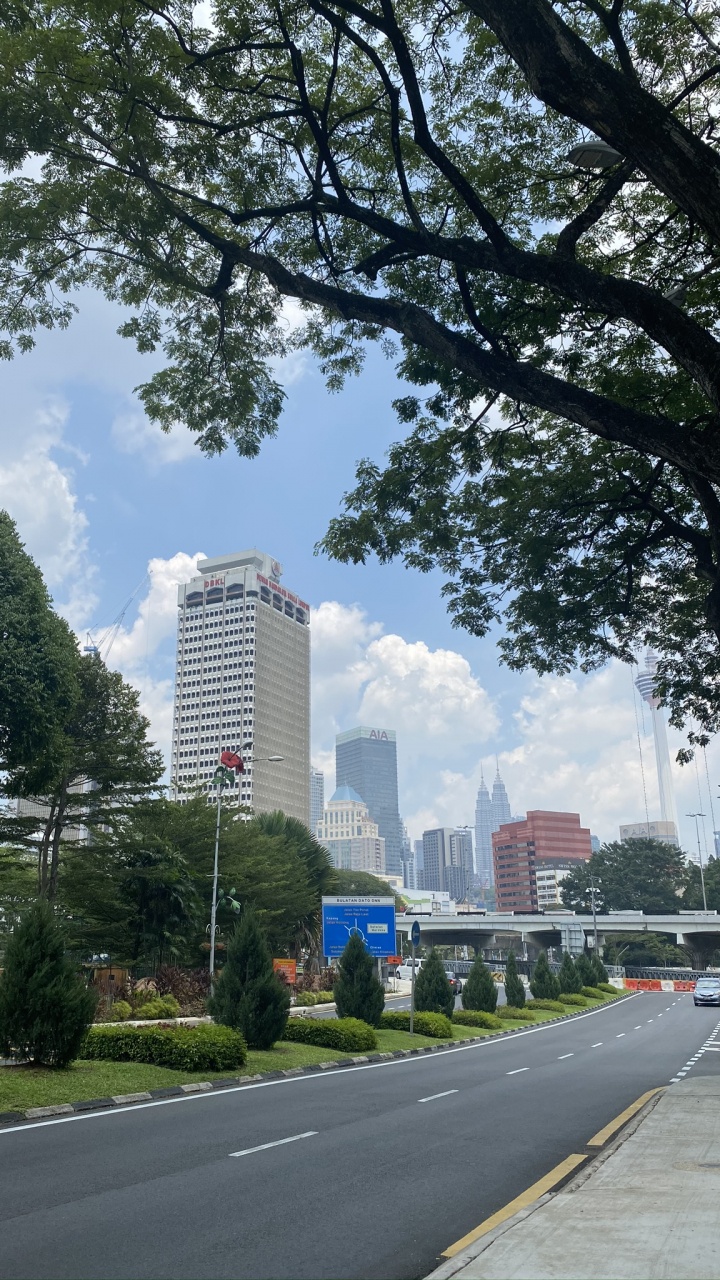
489,814
437,856
366,760
458,876
645,682
483,835
317,796
349,834
243,674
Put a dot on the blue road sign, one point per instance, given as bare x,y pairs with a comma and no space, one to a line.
373,919
415,933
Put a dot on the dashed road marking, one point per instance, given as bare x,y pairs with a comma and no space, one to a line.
565,1055
265,1146
596,1046
433,1096
517,1071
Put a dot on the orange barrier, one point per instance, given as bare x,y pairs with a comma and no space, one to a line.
655,984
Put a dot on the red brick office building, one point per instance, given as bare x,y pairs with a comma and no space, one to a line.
543,837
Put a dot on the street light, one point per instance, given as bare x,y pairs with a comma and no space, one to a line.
222,777
702,872
594,154
593,891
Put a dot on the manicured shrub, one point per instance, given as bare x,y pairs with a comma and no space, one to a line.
550,1006
325,997
600,973
159,1007
509,1013
433,993
356,990
248,995
574,998
347,1035
568,977
583,964
514,986
435,1025
543,984
305,999
480,992
609,989
477,1018
45,1007
120,1011
203,1048
593,993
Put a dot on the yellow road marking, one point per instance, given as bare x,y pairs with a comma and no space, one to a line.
601,1138
527,1198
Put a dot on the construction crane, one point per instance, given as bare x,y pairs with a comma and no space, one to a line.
106,640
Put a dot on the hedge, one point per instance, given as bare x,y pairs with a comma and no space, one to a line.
593,993
159,1007
349,1035
434,1025
306,998
552,1006
203,1048
510,1012
478,1018
609,988
573,998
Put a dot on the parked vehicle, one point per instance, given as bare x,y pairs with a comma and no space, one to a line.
404,970
455,983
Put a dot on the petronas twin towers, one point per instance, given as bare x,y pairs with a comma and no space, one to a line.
490,812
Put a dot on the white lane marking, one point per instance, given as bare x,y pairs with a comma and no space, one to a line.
712,1048
433,1096
596,1046
675,1080
565,1055
651,1019
638,1027
265,1146
27,1126
659,1015
517,1071
620,1036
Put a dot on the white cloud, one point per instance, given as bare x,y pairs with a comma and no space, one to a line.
39,495
133,432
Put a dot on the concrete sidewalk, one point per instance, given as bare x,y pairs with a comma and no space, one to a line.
645,1209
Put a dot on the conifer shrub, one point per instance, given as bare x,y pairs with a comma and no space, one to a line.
514,986
249,996
478,1018
568,977
45,1007
356,990
583,964
480,992
433,993
202,1048
573,998
347,1035
435,1025
600,973
543,984
511,1014
550,1006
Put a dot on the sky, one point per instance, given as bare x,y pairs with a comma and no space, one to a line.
111,508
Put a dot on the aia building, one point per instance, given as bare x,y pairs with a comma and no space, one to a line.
366,760
521,849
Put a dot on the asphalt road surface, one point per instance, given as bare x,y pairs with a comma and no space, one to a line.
369,1171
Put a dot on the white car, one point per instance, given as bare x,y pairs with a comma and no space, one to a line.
404,970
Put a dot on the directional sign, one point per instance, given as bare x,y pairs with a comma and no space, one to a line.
372,919
415,933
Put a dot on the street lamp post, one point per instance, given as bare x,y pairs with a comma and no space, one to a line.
702,870
595,928
222,777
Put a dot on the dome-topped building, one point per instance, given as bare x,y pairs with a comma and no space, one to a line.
349,834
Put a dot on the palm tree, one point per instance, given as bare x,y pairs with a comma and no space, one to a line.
319,868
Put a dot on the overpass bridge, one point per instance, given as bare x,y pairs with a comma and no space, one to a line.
698,930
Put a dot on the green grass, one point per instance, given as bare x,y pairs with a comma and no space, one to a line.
24,1087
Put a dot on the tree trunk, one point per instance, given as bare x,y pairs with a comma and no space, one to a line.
44,850
57,835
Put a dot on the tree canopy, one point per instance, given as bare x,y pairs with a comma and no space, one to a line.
629,875
401,170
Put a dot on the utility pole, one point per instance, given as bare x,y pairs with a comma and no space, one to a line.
700,860
595,928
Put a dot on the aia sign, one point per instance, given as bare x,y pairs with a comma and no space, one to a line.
379,735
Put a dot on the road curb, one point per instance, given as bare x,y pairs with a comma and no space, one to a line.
591,1159
66,1109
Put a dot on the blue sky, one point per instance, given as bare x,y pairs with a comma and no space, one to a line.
101,496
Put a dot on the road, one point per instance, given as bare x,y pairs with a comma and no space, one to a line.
401,1158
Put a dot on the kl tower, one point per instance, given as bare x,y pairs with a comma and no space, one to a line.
645,683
